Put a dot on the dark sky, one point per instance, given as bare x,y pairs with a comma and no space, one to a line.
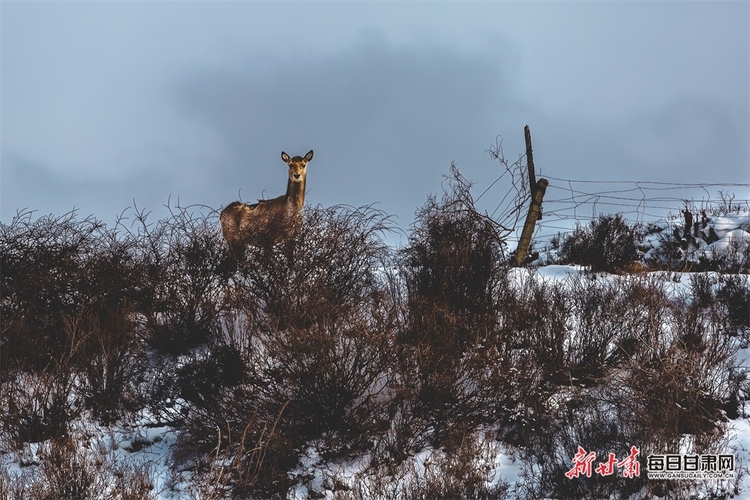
106,103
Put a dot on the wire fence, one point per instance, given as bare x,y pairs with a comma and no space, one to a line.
568,202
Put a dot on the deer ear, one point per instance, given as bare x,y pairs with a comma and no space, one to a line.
309,155
285,157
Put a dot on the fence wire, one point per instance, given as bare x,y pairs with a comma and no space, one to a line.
570,202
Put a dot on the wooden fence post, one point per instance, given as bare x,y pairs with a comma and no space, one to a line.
538,188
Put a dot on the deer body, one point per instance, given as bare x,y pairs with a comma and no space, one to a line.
267,221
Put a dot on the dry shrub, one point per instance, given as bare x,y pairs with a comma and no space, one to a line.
312,321
330,344
666,370
684,377
607,244
70,469
464,473
734,294
37,406
183,264
451,271
53,269
13,485
110,356
67,285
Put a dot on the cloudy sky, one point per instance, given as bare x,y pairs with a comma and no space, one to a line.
104,103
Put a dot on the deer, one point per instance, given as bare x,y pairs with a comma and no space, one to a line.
268,221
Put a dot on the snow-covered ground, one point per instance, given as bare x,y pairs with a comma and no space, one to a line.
148,443
677,285
716,235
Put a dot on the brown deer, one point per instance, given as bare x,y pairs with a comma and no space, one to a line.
267,221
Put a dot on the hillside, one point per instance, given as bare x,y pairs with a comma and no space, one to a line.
138,362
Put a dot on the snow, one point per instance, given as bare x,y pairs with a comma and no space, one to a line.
730,238
156,441
148,442
141,443
739,438
506,468
552,272
722,224
731,231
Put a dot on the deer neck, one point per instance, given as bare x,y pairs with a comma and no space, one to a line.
295,193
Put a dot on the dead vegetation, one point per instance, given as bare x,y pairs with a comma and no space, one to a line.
337,348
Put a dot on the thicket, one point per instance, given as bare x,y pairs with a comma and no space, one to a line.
334,348
609,243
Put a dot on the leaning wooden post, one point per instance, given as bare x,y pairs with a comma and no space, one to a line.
538,188
529,157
